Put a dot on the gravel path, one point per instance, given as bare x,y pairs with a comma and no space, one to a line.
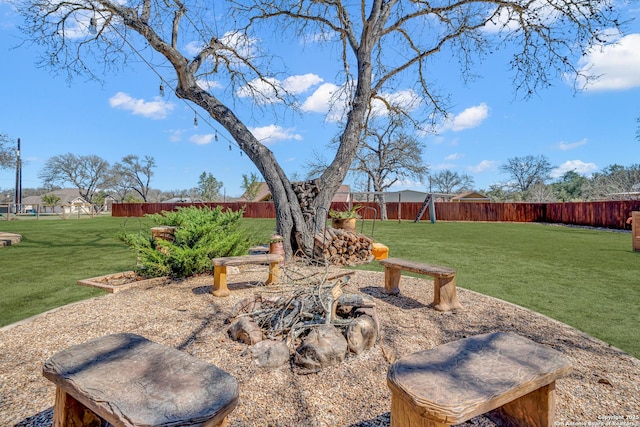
604,384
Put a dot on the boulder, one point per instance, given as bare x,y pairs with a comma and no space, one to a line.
246,331
269,353
324,346
361,334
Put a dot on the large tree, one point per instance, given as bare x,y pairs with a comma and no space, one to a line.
136,173
448,181
527,170
86,173
383,46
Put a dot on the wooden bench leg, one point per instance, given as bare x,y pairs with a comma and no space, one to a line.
392,280
69,412
536,409
220,281
444,294
404,414
274,272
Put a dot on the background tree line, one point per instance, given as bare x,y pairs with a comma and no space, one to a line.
128,180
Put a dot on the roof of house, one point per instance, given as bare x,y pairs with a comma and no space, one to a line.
264,194
474,195
67,196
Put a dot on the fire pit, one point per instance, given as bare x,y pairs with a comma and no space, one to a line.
315,324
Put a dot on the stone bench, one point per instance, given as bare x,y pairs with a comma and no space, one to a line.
127,380
220,269
444,284
455,382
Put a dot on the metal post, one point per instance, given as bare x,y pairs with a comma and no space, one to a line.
432,210
18,195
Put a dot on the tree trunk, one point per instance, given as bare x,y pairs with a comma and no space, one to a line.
290,221
379,197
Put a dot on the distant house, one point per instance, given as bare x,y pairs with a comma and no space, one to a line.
403,196
471,196
70,202
264,194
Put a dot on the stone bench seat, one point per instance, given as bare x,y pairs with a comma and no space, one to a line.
129,381
457,381
220,265
444,284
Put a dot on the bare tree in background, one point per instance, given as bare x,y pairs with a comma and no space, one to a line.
7,152
387,153
614,182
136,174
86,173
119,181
380,45
526,171
448,181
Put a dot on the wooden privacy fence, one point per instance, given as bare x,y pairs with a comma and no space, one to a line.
611,214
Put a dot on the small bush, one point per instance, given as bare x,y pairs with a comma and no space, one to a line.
200,234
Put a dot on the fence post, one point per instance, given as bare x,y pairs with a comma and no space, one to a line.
635,230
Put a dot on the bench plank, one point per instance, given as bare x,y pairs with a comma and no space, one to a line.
418,267
220,288
128,380
247,259
444,284
455,382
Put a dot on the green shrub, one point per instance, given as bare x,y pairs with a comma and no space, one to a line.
201,233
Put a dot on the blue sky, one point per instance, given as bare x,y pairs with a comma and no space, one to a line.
489,123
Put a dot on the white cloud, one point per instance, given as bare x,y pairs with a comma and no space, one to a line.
264,90
469,118
320,100
566,146
175,135
272,133
202,139
574,165
332,100
485,165
617,65
156,109
454,156
301,83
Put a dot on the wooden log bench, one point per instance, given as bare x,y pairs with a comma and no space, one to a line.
509,375
127,380
444,283
220,269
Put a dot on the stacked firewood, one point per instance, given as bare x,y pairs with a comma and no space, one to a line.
306,191
342,247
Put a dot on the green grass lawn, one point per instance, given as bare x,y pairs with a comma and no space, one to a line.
589,279
40,273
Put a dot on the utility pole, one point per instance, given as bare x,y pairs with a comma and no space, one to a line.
18,195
